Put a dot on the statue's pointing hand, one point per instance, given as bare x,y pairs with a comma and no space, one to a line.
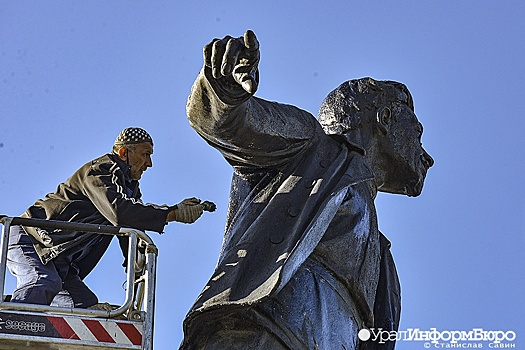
235,57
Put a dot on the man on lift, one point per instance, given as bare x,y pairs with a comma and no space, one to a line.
50,265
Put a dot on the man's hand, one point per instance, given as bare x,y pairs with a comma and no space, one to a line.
235,57
188,211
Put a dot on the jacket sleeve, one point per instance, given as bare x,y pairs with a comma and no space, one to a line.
104,185
247,130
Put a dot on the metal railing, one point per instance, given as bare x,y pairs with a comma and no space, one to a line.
139,304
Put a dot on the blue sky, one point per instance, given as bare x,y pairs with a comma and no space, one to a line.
74,73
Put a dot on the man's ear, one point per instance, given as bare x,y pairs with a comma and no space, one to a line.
384,119
122,153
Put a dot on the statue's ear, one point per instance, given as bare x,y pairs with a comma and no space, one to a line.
384,119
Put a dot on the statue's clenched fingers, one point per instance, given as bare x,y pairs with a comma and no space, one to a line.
235,57
231,55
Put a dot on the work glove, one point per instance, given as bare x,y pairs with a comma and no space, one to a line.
187,211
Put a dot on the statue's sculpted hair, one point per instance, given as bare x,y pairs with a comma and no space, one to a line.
355,102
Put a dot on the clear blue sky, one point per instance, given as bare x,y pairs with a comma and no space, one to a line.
74,73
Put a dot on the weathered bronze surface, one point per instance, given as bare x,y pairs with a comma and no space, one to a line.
303,264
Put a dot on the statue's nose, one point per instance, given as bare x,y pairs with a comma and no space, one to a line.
427,159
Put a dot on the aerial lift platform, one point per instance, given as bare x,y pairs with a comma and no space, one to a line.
129,326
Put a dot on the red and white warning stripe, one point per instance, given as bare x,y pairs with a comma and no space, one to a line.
98,331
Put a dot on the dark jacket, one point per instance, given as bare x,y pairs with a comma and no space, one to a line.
100,192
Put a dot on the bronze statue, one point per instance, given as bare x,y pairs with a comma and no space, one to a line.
303,264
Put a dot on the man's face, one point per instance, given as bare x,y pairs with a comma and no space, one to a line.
140,159
406,162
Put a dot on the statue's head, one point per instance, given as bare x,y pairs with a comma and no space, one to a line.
379,117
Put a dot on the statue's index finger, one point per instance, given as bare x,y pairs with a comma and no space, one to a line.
250,41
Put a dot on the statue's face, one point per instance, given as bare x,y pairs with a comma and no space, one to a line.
405,161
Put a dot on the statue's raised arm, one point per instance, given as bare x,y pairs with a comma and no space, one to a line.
245,129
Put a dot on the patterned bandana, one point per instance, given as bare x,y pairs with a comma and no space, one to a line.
133,135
